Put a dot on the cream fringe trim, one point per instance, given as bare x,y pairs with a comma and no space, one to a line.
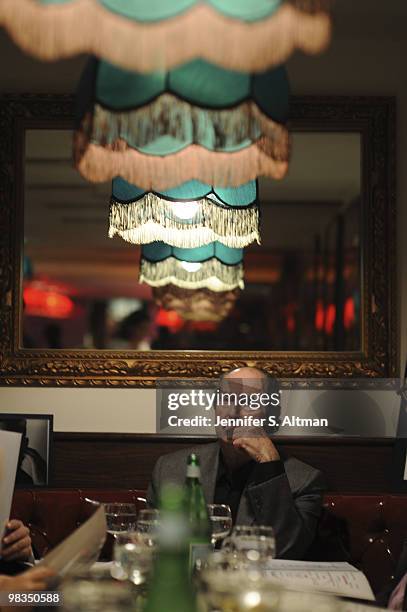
84,26
152,219
153,173
213,275
169,115
183,238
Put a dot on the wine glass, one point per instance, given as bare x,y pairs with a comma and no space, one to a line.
220,516
147,526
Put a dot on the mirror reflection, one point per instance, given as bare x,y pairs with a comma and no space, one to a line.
302,285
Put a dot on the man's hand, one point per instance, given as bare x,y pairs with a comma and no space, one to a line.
16,545
257,445
34,580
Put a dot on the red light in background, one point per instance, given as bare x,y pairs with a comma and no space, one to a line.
49,304
349,314
290,323
319,316
330,319
170,319
326,320
290,316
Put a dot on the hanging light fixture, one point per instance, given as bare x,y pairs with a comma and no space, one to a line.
145,36
213,266
196,304
198,121
185,91
191,215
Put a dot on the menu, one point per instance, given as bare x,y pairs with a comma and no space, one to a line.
81,549
10,443
340,579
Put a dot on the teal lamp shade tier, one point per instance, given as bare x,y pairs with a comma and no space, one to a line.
197,121
191,215
247,35
213,266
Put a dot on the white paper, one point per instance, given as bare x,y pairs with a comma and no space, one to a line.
335,578
298,601
10,443
81,549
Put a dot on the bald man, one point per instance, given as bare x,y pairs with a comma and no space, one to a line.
245,470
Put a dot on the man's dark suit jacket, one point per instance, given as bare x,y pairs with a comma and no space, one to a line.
290,502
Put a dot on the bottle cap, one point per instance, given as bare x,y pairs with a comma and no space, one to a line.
193,459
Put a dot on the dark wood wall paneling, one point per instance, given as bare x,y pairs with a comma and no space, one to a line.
83,460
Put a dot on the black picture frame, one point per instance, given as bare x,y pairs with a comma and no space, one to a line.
36,455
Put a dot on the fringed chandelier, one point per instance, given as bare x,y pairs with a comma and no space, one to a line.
247,35
183,106
214,267
191,215
198,121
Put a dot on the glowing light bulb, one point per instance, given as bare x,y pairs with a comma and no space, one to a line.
190,266
185,210
252,599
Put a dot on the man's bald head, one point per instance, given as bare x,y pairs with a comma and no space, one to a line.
248,379
247,373
253,382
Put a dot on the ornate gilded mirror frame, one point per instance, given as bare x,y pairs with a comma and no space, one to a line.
373,118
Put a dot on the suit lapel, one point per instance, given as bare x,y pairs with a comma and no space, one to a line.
209,456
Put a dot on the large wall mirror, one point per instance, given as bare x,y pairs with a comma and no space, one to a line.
319,289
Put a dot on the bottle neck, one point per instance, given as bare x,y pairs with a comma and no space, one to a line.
193,471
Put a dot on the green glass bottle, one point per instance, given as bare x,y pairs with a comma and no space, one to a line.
171,587
200,537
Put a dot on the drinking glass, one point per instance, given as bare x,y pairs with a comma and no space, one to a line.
226,585
132,558
120,517
220,516
93,590
253,531
253,545
147,526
